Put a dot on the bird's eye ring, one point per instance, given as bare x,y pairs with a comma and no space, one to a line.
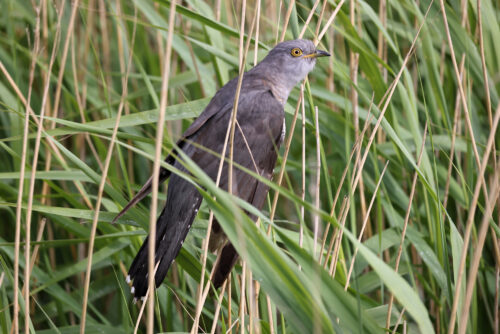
296,52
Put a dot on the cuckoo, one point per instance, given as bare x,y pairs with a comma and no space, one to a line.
259,132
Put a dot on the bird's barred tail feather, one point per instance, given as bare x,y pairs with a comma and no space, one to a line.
172,227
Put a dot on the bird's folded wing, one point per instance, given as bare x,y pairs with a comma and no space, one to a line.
218,103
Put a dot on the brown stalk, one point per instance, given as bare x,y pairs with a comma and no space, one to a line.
36,151
320,19
334,236
453,140
204,288
241,307
354,149
329,22
218,307
105,41
38,123
86,47
102,183
388,99
64,56
318,180
488,107
365,221
156,167
309,17
257,26
17,238
470,220
399,320
338,242
476,259
278,21
405,224
283,163
464,100
287,18
81,108
303,169
497,294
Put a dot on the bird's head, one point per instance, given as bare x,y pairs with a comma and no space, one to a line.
293,60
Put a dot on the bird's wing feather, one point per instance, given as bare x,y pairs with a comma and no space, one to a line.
260,119
262,131
221,101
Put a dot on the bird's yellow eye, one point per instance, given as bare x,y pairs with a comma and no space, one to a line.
296,52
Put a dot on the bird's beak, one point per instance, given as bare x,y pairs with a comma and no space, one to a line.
318,53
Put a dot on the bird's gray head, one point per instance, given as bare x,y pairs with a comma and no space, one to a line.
289,62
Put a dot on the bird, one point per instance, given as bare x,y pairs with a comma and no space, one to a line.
259,133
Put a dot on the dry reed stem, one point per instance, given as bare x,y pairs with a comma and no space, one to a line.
335,232
218,307
318,181
287,18
338,242
462,96
17,238
229,299
257,27
309,17
483,64
33,257
365,221
488,108
353,71
303,168
105,42
283,162
141,312
399,320
48,158
203,289
64,56
102,184
471,282
497,294
50,140
329,22
86,46
278,22
156,168
381,43
243,51
453,140
320,19
388,96
193,57
33,178
81,108
470,220
344,174
241,307
405,224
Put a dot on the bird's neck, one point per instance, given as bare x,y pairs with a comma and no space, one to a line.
281,92
281,88
279,85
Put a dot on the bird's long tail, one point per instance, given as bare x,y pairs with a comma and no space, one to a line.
172,227
225,263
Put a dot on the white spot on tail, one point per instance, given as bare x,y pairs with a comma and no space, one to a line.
127,279
132,290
